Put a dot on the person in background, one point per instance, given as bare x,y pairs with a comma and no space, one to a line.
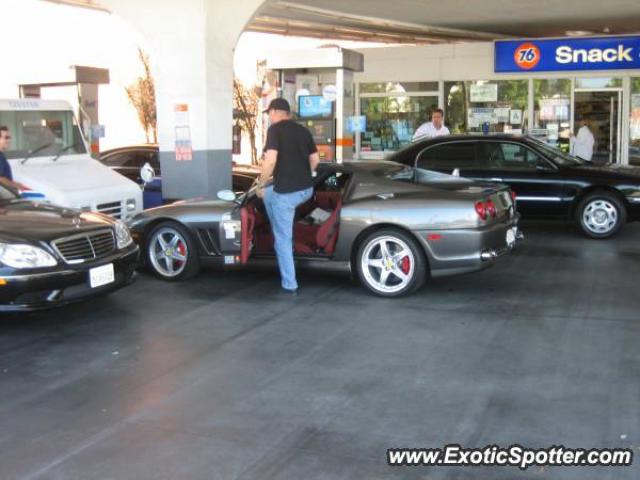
434,128
6,175
290,156
581,145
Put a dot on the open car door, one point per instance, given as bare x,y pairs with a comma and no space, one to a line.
247,224
236,234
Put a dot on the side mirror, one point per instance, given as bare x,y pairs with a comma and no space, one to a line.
227,195
147,173
456,172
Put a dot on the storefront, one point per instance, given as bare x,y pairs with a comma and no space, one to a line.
483,88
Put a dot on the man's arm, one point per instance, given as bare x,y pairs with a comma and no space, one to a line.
314,160
6,176
10,184
268,165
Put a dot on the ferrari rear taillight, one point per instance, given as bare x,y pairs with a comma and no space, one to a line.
481,210
491,208
486,209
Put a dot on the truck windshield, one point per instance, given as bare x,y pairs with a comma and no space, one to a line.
48,131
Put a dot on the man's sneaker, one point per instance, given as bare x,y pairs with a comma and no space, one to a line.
290,292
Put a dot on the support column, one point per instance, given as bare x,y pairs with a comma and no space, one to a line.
191,47
345,107
626,120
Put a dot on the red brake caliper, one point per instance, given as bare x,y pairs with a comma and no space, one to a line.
182,249
406,265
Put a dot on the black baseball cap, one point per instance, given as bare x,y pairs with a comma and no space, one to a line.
278,104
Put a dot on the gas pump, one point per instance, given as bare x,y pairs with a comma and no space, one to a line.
316,114
318,84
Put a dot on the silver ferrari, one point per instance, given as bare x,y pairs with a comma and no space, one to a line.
391,225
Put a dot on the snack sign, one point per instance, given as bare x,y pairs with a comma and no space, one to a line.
567,54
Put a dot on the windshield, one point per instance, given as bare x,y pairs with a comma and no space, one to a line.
48,131
556,155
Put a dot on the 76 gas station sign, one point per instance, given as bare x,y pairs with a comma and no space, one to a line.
548,55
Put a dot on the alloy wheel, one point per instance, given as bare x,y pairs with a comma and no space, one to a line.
168,252
388,264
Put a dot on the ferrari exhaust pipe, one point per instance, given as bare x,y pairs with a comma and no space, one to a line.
487,255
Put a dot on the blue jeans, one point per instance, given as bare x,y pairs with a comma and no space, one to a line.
281,208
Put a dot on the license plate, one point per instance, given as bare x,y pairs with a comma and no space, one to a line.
100,276
511,236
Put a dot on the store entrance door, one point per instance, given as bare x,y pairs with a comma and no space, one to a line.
602,110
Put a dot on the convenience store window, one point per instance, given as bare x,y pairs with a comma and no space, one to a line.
634,123
393,111
598,82
552,111
398,87
486,105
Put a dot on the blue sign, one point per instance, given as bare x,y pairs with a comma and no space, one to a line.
554,55
314,106
356,124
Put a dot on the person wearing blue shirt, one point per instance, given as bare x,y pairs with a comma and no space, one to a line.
6,175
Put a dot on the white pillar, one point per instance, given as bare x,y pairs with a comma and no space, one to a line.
190,44
345,107
623,141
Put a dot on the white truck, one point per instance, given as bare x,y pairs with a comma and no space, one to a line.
48,154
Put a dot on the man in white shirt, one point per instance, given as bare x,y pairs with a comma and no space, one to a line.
581,145
434,128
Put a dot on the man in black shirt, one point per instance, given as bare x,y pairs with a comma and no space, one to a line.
290,157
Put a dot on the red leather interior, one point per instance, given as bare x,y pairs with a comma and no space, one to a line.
324,200
321,238
304,238
307,239
328,200
327,234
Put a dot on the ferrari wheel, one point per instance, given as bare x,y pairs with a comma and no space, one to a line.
171,253
390,263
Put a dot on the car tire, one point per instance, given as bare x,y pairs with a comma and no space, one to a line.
171,253
601,215
397,269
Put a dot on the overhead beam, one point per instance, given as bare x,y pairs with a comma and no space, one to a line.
90,4
332,31
364,20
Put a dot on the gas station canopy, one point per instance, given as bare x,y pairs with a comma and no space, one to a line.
435,21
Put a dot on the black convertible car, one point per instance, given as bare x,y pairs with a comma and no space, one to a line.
50,256
548,183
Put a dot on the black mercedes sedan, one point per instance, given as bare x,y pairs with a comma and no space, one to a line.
51,256
547,182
